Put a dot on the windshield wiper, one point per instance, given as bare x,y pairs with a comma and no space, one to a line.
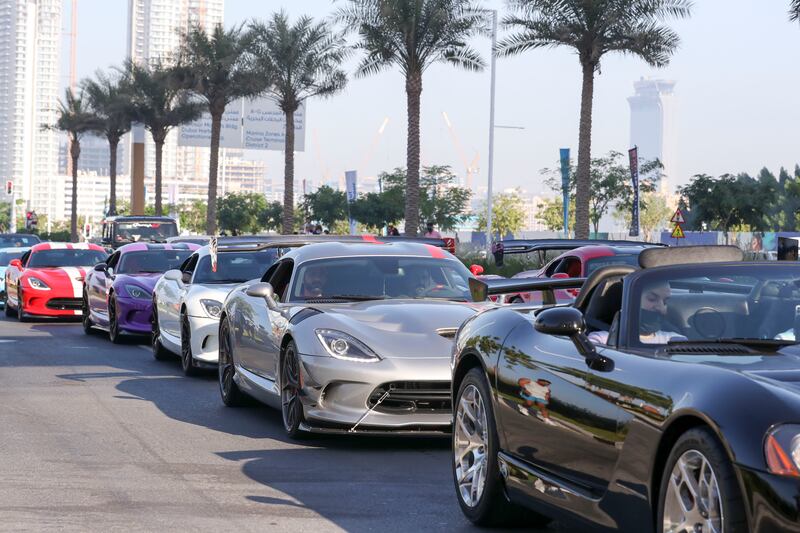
346,297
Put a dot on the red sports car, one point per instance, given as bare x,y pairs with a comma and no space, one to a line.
47,281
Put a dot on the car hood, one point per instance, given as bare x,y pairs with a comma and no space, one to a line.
148,281
420,329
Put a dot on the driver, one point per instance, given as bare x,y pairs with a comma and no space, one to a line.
314,280
653,325
419,282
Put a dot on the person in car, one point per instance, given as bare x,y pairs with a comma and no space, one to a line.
314,281
653,325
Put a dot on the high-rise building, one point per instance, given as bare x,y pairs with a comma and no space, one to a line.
652,125
30,67
94,156
154,30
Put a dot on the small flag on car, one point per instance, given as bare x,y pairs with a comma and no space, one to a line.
212,250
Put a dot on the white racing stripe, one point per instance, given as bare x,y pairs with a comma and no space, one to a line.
75,275
57,245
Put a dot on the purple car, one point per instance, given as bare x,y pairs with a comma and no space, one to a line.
118,294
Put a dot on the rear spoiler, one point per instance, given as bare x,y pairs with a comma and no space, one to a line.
482,289
446,243
523,246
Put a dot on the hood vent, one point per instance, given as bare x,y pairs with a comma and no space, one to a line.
447,333
714,349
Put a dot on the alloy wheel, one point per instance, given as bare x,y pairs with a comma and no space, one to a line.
692,500
291,407
113,325
470,445
186,346
226,369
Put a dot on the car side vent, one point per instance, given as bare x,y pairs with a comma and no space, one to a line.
717,349
447,333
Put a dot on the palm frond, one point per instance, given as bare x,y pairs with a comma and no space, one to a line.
794,11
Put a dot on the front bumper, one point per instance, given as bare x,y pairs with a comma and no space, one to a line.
338,394
773,501
205,339
51,304
134,315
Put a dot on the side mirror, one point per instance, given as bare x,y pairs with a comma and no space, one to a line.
476,270
15,263
569,322
186,277
173,275
265,291
100,267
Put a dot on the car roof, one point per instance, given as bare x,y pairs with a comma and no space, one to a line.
146,246
66,246
135,218
376,249
516,246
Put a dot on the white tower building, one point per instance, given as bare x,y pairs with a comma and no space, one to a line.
30,67
652,125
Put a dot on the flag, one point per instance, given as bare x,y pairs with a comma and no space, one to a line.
212,251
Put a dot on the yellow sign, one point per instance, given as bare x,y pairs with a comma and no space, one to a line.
677,233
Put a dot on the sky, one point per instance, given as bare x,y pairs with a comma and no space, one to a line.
736,98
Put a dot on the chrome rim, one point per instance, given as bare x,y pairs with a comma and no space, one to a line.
693,502
154,341
290,391
186,346
225,361
470,442
113,327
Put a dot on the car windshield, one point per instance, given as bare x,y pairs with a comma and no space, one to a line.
364,278
13,241
618,259
65,258
237,267
145,231
8,255
716,304
151,261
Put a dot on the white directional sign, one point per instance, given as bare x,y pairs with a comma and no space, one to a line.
252,124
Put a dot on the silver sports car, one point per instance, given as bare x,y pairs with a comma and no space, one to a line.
348,337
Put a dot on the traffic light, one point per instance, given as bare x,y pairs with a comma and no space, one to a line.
87,231
9,188
28,219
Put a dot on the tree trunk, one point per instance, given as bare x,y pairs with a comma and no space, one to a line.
75,152
413,93
213,168
113,144
582,181
288,176
159,153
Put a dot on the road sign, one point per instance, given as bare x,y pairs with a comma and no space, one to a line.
677,218
677,233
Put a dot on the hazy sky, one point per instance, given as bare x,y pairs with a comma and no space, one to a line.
737,74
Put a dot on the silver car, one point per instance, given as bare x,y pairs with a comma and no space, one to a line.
348,337
187,302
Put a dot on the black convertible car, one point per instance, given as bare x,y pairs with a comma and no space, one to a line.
665,398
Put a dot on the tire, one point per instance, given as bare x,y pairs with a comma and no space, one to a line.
7,309
114,334
489,505
21,308
86,320
699,450
159,352
289,386
188,363
231,395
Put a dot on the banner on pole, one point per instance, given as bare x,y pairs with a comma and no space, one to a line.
633,155
350,178
565,187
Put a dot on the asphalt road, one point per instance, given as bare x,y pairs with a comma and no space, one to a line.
98,437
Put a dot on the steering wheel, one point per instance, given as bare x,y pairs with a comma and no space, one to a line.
433,290
708,322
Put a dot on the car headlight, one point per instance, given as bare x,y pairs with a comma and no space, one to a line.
137,292
342,346
38,284
213,308
782,450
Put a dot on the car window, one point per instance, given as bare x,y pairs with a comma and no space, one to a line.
619,259
65,258
13,241
236,267
151,261
144,231
7,256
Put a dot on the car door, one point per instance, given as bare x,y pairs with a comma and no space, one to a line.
97,286
170,296
556,413
261,349
12,278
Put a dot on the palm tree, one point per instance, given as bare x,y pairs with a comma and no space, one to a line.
219,68
593,28
75,119
109,100
300,61
413,35
794,11
161,102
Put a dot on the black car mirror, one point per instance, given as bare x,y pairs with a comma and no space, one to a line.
569,322
100,267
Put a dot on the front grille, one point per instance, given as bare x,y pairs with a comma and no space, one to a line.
64,304
412,397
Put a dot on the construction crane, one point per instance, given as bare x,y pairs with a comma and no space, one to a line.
471,167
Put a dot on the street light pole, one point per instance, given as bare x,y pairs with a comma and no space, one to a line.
491,133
